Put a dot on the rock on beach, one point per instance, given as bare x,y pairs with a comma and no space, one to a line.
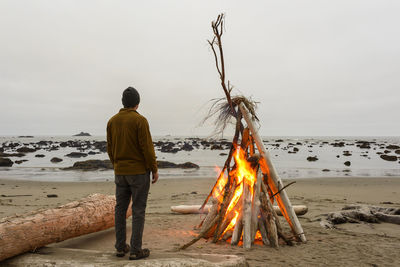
6,162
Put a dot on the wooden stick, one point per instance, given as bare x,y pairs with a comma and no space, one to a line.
274,180
256,204
201,234
279,228
220,224
237,232
210,216
195,209
247,240
269,219
263,231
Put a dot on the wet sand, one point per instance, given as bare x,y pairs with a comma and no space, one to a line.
349,245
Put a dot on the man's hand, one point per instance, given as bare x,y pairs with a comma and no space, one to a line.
154,178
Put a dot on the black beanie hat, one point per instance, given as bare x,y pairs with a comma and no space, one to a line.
130,97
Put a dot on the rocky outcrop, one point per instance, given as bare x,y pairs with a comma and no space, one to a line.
388,157
82,134
166,164
392,147
56,160
25,149
76,155
5,162
90,165
315,158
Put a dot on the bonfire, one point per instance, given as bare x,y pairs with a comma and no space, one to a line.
247,185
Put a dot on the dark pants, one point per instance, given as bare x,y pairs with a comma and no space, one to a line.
137,187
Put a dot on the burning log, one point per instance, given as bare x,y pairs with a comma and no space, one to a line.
237,232
246,216
274,181
195,209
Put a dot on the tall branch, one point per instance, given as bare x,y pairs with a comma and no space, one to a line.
218,29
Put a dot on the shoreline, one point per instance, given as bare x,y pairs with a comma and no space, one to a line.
350,244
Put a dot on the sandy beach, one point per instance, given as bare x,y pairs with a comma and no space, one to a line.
349,245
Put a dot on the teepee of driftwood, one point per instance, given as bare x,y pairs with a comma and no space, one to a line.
244,193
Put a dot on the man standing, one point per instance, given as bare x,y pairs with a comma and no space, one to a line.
131,151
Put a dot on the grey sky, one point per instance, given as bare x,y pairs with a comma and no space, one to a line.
316,67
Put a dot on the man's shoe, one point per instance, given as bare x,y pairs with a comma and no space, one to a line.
121,253
144,253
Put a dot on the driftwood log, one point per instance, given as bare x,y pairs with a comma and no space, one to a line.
195,209
19,234
274,181
362,213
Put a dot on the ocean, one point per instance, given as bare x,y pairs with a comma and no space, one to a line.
289,155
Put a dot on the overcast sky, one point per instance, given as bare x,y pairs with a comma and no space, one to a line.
316,67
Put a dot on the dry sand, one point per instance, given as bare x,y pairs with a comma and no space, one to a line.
349,245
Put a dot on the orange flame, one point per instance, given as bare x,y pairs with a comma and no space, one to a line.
243,173
220,186
232,223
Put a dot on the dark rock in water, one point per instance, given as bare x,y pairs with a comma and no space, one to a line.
365,145
387,151
63,144
315,158
346,153
339,144
216,147
20,161
92,153
52,195
76,155
347,163
40,156
166,164
397,151
392,147
82,134
100,145
5,162
91,165
55,160
25,149
388,157
43,143
52,148
223,154
187,147
295,149
188,165
337,156
25,136
279,140
169,147
326,170
12,154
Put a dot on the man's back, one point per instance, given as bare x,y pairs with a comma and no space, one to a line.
129,143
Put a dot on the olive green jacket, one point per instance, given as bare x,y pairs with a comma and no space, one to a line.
129,143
